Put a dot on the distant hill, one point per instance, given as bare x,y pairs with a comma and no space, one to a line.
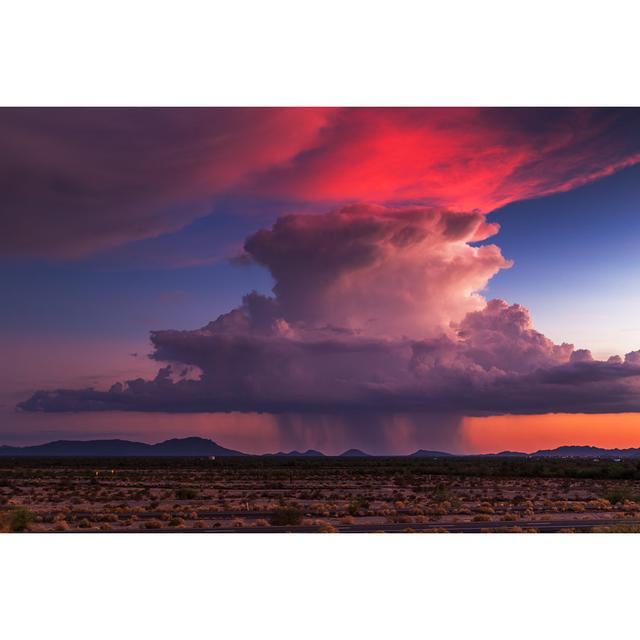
573,451
506,454
354,453
423,453
309,453
177,447
200,447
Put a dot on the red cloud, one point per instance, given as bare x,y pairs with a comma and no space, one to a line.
471,158
73,181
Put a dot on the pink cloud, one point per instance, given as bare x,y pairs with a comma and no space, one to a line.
382,271
75,181
374,310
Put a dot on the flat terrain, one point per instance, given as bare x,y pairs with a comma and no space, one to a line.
465,495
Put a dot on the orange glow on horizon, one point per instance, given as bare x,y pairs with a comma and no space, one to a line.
530,433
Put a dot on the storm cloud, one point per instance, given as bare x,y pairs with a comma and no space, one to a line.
374,310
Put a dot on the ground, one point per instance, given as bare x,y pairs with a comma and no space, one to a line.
318,495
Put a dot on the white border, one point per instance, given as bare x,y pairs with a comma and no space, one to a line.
72,52
318,586
334,52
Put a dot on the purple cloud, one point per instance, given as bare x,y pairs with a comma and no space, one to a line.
374,310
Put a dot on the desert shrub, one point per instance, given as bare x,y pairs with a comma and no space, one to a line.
599,503
615,495
176,522
481,517
356,506
21,520
485,507
285,516
153,524
441,492
186,493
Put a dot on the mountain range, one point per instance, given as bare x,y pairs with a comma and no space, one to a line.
203,447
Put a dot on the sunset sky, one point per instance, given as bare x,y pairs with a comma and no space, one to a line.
387,279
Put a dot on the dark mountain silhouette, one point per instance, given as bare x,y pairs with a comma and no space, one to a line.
309,453
194,447
423,453
114,448
506,454
354,453
573,451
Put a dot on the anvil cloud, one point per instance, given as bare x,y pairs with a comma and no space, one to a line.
77,181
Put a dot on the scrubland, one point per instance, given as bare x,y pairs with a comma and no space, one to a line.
318,495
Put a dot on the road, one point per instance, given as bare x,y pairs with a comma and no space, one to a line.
543,526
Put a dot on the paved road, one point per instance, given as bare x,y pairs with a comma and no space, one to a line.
544,526
213,515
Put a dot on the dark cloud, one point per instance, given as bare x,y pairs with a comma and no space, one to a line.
75,180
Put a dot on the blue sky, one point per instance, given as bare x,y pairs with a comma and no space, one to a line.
576,262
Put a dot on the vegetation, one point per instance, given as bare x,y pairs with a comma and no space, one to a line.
617,495
285,516
184,493
315,493
20,520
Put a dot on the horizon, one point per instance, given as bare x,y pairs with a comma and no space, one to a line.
385,279
305,453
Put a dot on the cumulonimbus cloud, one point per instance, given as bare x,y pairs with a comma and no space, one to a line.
374,309
74,181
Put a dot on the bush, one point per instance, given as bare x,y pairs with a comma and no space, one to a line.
285,516
615,495
21,520
357,506
185,493
481,518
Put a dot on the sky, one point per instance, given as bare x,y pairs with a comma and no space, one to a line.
386,279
